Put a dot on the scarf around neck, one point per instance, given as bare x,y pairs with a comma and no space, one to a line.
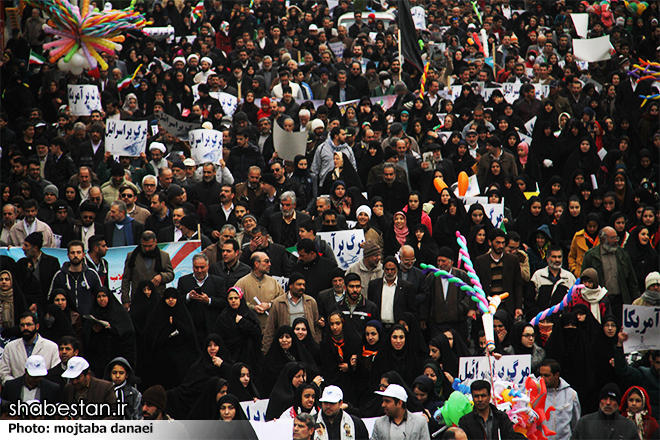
651,297
593,297
7,299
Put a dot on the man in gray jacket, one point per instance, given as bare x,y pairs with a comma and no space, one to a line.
563,398
398,423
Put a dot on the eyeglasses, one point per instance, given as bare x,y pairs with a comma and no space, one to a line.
528,335
88,217
127,196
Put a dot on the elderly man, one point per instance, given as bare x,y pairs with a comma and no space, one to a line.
16,353
121,230
8,222
205,295
283,225
549,284
259,288
147,262
606,422
391,294
278,255
615,270
446,304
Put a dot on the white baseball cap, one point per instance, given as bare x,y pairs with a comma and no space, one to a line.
75,367
395,391
332,394
36,366
313,27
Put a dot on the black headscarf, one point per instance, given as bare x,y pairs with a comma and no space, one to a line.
236,388
527,222
309,343
444,231
142,306
60,325
204,407
516,338
404,361
276,359
426,250
448,361
505,318
238,428
281,397
475,248
467,225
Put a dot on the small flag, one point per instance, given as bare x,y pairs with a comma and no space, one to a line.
124,83
197,11
36,58
94,73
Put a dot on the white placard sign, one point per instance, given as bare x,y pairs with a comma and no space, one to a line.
581,23
385,101
206,146
515,368
175,127
125,138
345,245
473,187
227,101
289,145
159,33
592,49
419,17
337,48
640,323
83,99
494,211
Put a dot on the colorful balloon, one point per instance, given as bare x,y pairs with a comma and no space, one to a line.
439,184
463,183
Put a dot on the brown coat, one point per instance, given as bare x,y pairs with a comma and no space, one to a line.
279,316
133,275
99,391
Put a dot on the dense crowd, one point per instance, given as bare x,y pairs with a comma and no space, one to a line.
577,171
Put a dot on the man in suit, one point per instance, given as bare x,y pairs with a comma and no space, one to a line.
220,214
391,294
147,262
205,295
229,268
283,225
499,272
83,387
316,269
84,228
121,230
31,385
445,304
414,275
35,272
342,91
173,233
107,85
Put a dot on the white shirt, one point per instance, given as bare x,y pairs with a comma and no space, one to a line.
177,234
387,302
28,394
227,211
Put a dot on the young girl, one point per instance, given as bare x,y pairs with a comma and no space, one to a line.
120,373
636,406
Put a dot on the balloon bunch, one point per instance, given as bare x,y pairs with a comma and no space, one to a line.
646,71
458,405
525,406
636,7
598,8
560,306
84,32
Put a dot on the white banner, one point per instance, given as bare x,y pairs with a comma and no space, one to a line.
175,127
640,323
206,146
345,245
289,145
337,48
581,23
473,187
125,138
159,33
515,368
419,17
227,101
83,99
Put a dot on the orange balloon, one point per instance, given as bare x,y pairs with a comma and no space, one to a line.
463,182
439,184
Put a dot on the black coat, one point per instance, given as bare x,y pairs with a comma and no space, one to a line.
404,296
280,259
318,274
471,423
11,391
511,280
203,315
276,222
351,92
35,290
109,231
208,192
215,219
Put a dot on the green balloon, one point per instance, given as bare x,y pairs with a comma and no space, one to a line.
455,407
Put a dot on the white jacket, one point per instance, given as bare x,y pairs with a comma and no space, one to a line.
12,362
567,410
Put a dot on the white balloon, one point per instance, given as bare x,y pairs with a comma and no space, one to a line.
118,47
77,60
64,67
77,70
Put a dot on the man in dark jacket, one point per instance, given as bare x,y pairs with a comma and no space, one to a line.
391,294
486,421
499,272
35,272
606,422
280,258
355,306
208,190
229,268
243,156
205,295
84,387
31,385
317,270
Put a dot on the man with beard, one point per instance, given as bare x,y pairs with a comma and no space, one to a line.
31,385
615,270
77,279
154,401
251,189
229,268
393,192
83,387
606,422
29,225
550,284
16,353
147,262
121,230
220,214
208,190
283,225
355,306
94,258
35,272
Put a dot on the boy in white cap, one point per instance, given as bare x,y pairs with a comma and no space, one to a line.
333,422
32,385
398,423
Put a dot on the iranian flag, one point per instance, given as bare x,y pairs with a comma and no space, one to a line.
36,59
197,11
124,83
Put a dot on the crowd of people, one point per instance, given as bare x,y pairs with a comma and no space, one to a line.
577,172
